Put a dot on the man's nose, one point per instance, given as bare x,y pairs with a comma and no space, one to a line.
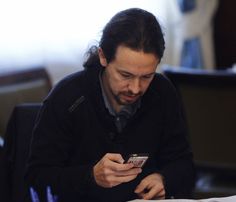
134,86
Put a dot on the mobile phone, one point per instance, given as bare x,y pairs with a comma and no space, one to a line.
137,159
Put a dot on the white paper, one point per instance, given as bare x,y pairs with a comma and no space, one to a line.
222,199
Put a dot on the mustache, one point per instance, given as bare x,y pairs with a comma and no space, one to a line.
131,94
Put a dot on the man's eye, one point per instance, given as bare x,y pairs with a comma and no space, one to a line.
126,76
147,77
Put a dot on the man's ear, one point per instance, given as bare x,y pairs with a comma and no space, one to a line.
102,57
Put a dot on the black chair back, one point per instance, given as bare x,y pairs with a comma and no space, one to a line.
209,102
15,153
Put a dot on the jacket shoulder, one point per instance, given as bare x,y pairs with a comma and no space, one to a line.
68,91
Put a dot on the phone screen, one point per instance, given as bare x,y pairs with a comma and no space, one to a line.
137,159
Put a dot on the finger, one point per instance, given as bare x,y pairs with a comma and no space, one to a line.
141,187
153,180
115,157
162,195
154,193
132,171
151,194
115,161
117,167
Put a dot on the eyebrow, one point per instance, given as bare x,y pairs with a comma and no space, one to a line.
150,74
125,72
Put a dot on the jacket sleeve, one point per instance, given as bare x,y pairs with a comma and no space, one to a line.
50,151
176,157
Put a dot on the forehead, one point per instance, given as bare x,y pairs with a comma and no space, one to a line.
133,61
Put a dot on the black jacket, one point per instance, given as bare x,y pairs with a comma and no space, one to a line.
74,130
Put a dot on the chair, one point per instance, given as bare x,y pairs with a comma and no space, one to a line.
15,153
209,103
21,86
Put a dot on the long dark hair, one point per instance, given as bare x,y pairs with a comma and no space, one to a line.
134,28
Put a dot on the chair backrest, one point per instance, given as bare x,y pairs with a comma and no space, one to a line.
21,86
15,153
209,101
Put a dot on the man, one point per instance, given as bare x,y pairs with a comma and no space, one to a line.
117,106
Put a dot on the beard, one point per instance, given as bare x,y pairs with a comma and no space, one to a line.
126,98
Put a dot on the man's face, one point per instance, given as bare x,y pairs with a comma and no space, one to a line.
128,76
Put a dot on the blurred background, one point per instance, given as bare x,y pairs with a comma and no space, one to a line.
43,41
56,34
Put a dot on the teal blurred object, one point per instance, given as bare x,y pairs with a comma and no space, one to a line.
50,197
1,141
191,54
186,5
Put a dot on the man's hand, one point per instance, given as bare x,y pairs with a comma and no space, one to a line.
110,171
151,187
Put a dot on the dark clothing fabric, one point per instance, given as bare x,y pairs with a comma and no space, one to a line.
74,130
15,153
